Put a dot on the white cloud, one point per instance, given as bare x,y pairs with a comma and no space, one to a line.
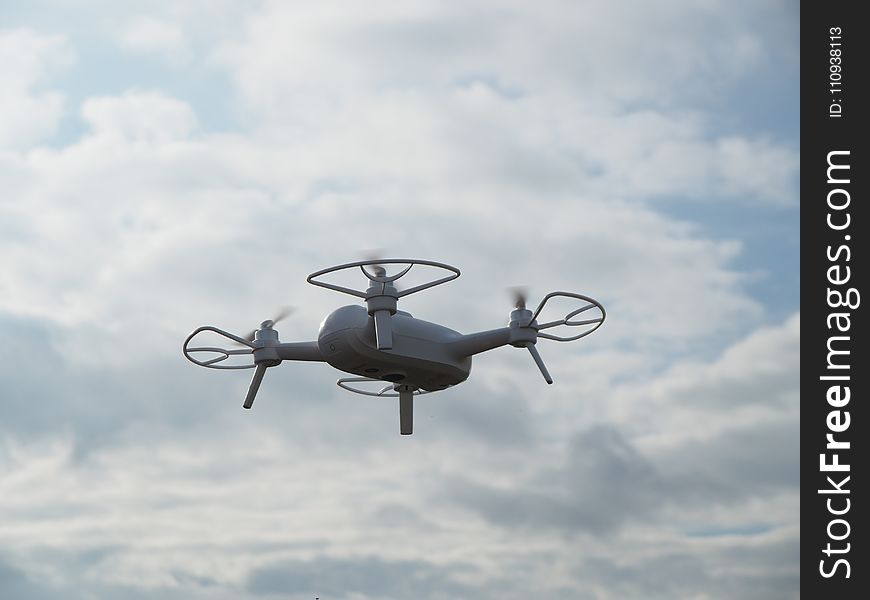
148,116
519,92
138,212
336,48
754,381
29,114
149,35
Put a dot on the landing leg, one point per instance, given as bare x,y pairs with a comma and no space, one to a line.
384,330
256,380
406,412
540,362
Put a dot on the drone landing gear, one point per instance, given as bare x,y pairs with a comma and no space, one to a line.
383,329
406,411
256,380
540,362
405,393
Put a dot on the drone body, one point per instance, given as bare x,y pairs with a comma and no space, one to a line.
420,355
380,344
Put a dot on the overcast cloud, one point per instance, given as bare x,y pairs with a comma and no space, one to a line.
187,163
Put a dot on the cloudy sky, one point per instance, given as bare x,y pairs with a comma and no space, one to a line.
169,164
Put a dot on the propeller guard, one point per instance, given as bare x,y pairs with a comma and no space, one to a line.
381,296
222,353
594,322
383,280
384,393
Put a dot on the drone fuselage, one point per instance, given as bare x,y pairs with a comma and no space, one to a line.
423,354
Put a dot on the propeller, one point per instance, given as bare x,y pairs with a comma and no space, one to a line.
283,313
520,295
524,332
382,292
382,315
266,333
525,329
375,254
382,318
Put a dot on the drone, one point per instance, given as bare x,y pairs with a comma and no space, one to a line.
381,345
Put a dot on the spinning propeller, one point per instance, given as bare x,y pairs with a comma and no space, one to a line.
264,337
285,312
382,296
525,329
261,342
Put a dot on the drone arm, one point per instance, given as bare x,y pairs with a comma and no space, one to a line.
475,343
308,351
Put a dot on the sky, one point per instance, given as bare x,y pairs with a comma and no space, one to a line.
165,165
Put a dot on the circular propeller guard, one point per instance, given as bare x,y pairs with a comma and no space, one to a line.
315,278
222,353
594,321
344,383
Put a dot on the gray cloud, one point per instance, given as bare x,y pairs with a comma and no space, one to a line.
605,483
737,465
681,574
14,583
369,577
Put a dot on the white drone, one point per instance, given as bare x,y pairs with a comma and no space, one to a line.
381,344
